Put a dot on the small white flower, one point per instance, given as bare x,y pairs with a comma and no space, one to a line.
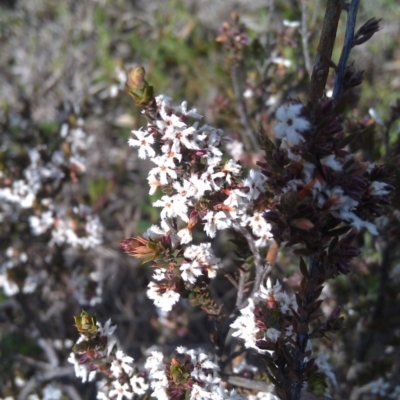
159,274
235,149
163,299
215,221
190,271
255,182
172,207
185,235
154,183
144,142
107,330
120,391
245,326
139,386
199,186
198,393
290,124
163,170
272,334
379,188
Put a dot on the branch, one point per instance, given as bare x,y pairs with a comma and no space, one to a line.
304,38
262,268
325,48
262,386
347,46
241,287
242,110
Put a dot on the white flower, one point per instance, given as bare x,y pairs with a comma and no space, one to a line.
172,207
379,387
156,232
139,386
235,149
337,200
202,363
259,225
190,271
356,221
237,203
216,179
158,379
205,256
245,326
231,166
199,186
379,188
154,362
198,393
323,365
191,113
9,286
163,298
290,124
171,151
213,156
215,221
272,334
331,162
185,235
122,362
189,138
81,370
184,189
120,391
154,183
144,142
107,330
163,170
255,182
40,224
159,274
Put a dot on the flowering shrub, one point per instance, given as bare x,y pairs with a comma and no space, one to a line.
319,193
250,247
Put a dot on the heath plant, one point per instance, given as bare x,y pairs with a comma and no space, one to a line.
311,193
272,262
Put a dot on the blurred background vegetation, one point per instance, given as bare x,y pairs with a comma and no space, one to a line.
64,60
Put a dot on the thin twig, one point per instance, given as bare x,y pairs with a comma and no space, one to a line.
325,48
44,376
241,287
232,356
304,38
270,13
242,109
262,267
347,46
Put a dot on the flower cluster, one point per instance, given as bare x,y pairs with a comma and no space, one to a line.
318,184
191,374
32,204
199,187
96,351
265,319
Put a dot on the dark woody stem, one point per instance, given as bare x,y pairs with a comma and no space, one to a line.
325,48
302,330
347,46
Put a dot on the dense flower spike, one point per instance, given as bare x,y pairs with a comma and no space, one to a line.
201,188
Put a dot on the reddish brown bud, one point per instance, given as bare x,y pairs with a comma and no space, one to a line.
303,224
138,247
